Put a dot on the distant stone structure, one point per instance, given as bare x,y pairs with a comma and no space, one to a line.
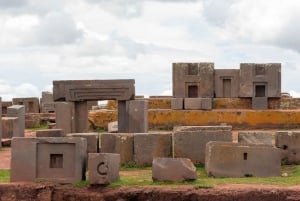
17,111
32,104
200,80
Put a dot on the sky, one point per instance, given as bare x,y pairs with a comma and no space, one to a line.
42,41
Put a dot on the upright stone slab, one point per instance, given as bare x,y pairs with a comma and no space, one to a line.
50,133
31,104
47,104
120,143
92,141
255,137
260,103
137,116
225,159
48,159
190,141
289,143
227,83
103,168
10,127
173,169
148,146
177,104
19,112
65,112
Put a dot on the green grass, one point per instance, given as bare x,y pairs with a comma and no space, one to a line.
145,179
42,126
4,176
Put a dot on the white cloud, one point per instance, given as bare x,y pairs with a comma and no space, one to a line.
294,94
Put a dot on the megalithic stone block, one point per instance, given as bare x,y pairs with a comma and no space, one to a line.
173,169
226,159
19,112
60,159
255,137
65,112
50,133
288,142
92,140
103,168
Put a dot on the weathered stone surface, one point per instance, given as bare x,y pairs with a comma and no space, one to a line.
10,127
288,142
83,90
92,140
120,143
50,133
206,103
5,105
225,159
47,104
227,83
173,169
103,168
65,112
32,105
148,146
48,159
260,80
192,103
177,103
190,142
19,112
113,127
32,120
193,80
137,116
255,137
260,103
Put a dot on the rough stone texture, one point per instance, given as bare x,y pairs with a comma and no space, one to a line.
103,168
177,103
65,112
260,103
81,117
148,146
5,105
173,169
48,159
84,90
192,103
19,112
227,83
50,133
92,140
120,143
137,116
193,80
113,127
32,120
190,142
225,159
10,127
267,75
32,105
47,104
255,137
206,103
289,142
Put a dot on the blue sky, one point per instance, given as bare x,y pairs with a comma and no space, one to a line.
42,41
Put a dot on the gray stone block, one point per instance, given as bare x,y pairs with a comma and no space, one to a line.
227,83
173,169
19,112
65,112
50,133
288,142
260,103
32,105
255,137
120,143
48,159
224,159
10,127
103,168
177,103
190,141
137,116
148,146
92,140
206,103
192,103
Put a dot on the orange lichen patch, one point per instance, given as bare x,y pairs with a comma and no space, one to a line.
239,119
159,103
112,105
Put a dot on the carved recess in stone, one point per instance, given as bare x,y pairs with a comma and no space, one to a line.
83,90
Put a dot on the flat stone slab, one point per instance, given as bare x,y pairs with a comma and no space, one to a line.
173,169
50,133
225,159
190,142
92,140
103,168
57,159
289,143
256,137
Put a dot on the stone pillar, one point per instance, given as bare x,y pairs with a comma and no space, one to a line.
65,112
122,117
137,116
19,112
0,122
81,117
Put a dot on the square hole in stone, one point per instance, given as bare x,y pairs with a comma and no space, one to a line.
56,160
